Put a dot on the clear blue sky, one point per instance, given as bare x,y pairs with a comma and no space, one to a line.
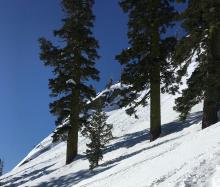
24,116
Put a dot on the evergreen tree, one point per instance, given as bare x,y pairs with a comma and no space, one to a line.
99,133
73,63
201,20
1,167
147,60
109,84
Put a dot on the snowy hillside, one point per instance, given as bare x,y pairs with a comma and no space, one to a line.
183,156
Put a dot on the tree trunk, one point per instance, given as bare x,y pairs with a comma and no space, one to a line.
72,140
210,109
72,145
155,113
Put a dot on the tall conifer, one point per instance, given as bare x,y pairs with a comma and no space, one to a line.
72,61
201,20
146,61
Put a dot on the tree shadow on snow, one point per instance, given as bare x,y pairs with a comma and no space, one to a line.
27,176
126,141
177,126
8,178
129,140
73,178
118,159
132,139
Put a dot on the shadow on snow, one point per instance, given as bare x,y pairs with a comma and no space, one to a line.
126,141
73,178
26,177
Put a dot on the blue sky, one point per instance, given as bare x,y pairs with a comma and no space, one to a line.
24,116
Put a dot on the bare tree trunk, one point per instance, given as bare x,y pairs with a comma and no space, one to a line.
72,140
155,111
210,110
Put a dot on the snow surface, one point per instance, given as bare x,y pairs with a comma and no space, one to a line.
183,156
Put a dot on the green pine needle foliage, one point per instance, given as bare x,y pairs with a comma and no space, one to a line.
147,18
201,21
99,133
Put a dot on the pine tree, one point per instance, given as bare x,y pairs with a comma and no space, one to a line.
72,62
147,61
109,84
201,20
1,167
99,133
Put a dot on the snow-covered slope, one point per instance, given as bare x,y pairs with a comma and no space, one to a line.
183,156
